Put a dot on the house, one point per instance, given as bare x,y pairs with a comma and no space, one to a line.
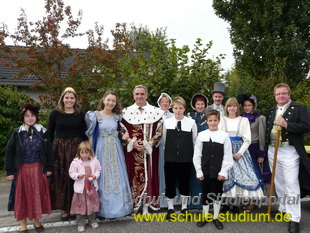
7,78
24,83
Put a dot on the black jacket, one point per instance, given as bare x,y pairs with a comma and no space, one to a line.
14,154
298,123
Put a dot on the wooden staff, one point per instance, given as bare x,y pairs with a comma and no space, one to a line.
274,168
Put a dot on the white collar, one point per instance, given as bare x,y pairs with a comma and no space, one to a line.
38,127
218,106
284,106
150,114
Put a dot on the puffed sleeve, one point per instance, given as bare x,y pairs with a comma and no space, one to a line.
261,131
228,160
97,168
194,133
91,121
163,139
197,156
73,170
52,125
83,125
221,125
10,154
245,133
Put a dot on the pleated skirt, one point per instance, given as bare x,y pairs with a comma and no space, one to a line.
61,184
32,197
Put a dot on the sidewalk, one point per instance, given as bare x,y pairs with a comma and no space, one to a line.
9,224
7,219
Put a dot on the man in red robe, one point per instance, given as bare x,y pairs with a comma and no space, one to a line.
143,122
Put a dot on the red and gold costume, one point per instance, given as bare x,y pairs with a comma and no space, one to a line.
143,124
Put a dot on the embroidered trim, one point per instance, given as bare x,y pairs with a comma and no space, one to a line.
110,156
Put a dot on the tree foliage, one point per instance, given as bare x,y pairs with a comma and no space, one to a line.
137,56
160,65
39,49
271,38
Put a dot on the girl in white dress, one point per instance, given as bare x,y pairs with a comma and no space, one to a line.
242,181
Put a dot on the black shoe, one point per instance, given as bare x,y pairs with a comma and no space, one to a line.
169,213
293,227
218,224
225,208
235,210
101,218
184,211
64,216
39,229
201,223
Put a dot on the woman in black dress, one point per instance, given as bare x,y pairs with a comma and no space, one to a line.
67,129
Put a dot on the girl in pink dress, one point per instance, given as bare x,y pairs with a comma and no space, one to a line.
85,170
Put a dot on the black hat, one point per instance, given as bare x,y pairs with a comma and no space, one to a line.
246,96
218,88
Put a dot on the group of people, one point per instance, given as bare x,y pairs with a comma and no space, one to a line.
99,160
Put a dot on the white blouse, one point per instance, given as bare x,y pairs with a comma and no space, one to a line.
239,126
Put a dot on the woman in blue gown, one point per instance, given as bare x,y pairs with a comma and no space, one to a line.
104,134
199,103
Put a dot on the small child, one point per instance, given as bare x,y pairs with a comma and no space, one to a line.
212,160
179,136
85,170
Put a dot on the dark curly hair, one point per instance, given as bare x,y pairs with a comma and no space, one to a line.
33,109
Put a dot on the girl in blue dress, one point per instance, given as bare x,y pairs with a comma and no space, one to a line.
242,180
104,134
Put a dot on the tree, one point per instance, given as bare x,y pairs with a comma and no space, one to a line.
138,56
240,82
39,49
270,37
98,67
163,67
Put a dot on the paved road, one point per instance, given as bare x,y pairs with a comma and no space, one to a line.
128,224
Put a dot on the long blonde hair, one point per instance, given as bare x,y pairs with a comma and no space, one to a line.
60,106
